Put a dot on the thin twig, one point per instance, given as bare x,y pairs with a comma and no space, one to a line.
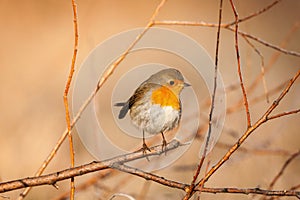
67,88
252,191
192,185
110,71
284,113
67,113
271,62
267,44
204,24
262,68
259,12
92,95
245,99
275,56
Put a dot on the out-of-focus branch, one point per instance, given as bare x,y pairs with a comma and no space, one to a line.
288,161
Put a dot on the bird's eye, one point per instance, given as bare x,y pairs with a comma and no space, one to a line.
171,82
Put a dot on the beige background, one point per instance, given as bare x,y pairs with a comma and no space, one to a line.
35,55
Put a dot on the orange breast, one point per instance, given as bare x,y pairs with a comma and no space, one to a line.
165,97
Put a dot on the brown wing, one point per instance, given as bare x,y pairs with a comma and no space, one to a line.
141,92
135,99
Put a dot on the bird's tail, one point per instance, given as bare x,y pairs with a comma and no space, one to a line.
124,109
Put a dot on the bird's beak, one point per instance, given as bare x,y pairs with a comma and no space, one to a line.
186,85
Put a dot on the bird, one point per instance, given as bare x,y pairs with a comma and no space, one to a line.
155,106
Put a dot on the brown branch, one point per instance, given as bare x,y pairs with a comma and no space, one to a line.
90,182
257,124
142,174
262,68
67,112
255,14
118,164
275,55
185,187
267,44
245,99
283,114
258,151
52,179
253,191
71,146
197,172
149,176
295,187
92,95
110,71
195,23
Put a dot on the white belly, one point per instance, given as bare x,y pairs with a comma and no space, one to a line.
156,119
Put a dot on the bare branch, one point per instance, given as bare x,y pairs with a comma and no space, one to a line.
53,178
92,95
255,14
245,99
195,23
192,185
262,120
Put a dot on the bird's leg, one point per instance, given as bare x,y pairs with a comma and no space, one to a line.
164,144
145,147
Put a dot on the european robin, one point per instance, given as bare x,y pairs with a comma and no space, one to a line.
155,105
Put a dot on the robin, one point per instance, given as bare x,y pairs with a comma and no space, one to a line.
155,105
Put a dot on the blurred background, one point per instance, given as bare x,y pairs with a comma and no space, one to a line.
35,56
